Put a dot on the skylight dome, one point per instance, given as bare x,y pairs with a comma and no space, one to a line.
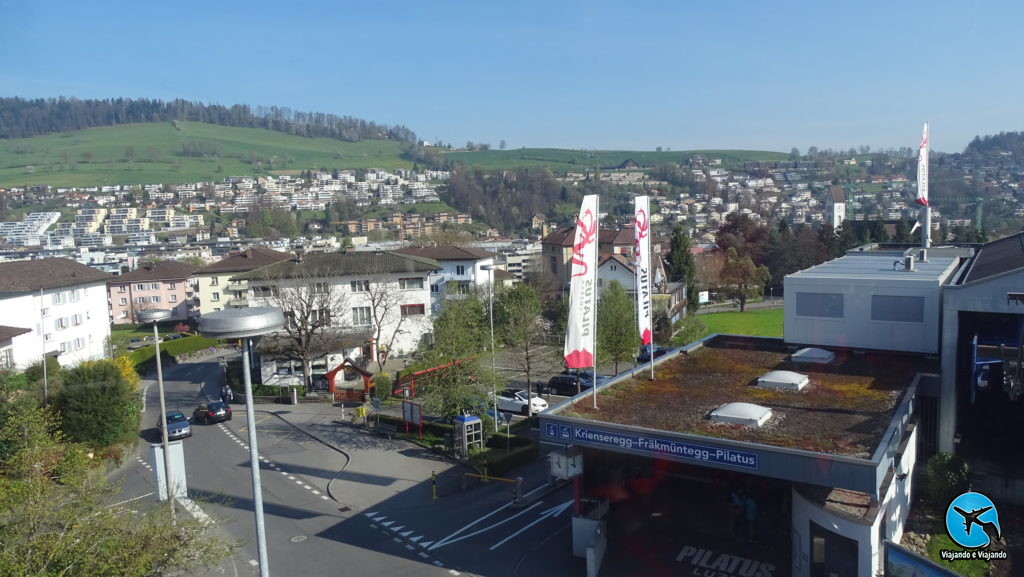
813,355
747,414
785,380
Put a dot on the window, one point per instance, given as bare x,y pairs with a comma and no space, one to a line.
123,301
410,283
412,310
460,269
140,287
173,298
76,319
154,286
74,296
61,323
826,305
58,298
900,309
215,297
320,288
361,316
48,337
554,265
214,281
45,311
172,285
122,289
154,299
140,300
264,291
435,288
7,358
79,343
360,286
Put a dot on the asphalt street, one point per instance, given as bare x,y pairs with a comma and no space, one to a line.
339,499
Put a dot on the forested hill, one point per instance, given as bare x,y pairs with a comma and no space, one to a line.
24,118
1011,143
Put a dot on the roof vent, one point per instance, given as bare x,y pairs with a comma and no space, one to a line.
747,414
813,355
785,380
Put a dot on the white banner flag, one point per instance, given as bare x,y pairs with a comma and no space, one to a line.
922,169
642,249
580,333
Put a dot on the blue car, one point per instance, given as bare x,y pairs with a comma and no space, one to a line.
645,354
178,425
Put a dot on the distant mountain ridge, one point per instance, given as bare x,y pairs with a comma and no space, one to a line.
25,118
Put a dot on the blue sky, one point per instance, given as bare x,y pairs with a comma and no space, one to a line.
566,74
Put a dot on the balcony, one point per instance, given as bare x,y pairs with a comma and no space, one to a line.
237,287
238,303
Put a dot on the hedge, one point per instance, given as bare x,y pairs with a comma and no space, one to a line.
142,358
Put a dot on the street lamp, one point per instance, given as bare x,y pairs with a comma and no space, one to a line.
155,316
245,324
490,297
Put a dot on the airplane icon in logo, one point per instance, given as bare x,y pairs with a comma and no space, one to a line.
971,518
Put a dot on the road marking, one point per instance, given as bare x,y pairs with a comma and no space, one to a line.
454,572
137,498
254,562
416,538
552,512
398,528
406,534
409,547
426,544
422,554
194,509
448,540
438,563
388,524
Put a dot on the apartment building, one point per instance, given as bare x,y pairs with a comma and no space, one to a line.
157,285
216,289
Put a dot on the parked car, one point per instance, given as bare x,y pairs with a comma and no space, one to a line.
178,425
645,354
565,385
514,401
136,344
586,375
213,412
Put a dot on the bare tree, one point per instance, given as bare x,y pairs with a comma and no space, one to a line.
389,316
316,315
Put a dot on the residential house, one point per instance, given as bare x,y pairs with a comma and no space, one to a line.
461,270
158,285
53,305
556,253
216,290
373,301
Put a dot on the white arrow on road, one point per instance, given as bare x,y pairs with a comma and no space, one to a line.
450,538
552,512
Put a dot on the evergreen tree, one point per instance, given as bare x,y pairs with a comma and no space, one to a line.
680,266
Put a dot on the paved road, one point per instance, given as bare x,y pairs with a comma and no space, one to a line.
341,500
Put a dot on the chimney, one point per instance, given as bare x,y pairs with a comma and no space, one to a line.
908,263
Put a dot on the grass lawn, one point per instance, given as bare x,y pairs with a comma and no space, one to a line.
759,323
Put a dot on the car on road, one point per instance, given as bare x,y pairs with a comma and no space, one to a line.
213,412
585,375
645,354
565,385
515,401
178,425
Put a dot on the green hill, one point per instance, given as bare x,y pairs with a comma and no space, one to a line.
192,151
156,153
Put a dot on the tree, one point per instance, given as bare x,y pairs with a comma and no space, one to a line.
316,315
617,333
742,275
749,238
501,144
57,516
517,315
388,318
681,266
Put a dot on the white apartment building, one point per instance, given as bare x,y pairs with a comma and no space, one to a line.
58,306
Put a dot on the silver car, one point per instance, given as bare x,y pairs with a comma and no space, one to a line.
178,425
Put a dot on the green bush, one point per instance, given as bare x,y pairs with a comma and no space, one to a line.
500,463
947,477
97,406
143,358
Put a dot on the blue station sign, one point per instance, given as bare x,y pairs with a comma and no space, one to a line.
650,445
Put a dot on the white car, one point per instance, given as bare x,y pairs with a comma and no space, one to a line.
514,401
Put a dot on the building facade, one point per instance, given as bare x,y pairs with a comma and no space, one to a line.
158,285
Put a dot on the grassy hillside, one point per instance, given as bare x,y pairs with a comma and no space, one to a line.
150,153
561,160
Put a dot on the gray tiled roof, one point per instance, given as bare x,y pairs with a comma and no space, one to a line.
248,259
348,263
22,276
163,270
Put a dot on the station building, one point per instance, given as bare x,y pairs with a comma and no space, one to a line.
887,354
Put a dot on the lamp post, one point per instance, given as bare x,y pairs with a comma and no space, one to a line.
155,316
490,316
245,324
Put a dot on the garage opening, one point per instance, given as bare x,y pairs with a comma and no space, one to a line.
667,517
